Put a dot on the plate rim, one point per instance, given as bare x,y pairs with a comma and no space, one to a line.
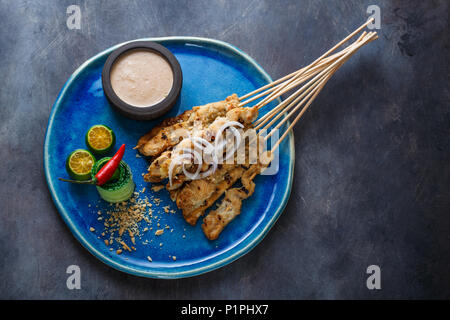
227,259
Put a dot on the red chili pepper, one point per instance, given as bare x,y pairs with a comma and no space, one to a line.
106,172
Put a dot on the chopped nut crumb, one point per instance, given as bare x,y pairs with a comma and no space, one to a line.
124,245
124,219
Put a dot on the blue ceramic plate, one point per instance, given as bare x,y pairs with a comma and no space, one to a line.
211,71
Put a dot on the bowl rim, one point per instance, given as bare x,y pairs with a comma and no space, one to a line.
152,111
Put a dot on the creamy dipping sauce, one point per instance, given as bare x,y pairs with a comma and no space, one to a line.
141,78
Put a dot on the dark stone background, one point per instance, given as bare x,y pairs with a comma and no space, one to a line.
372,174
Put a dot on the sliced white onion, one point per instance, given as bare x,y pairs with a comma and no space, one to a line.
176,161
219,143
208,150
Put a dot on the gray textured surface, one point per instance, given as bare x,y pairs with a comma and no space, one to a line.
372,175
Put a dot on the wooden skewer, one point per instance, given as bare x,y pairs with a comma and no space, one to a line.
308,92
317,60
308,98
296,80
288,85
262,94
331,71
315,91
301,92
323,63
297,118
313,88
271,98
309,74
370,37
282,104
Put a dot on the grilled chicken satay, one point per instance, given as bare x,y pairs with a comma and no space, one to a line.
160,140
166,123
247,154
198,195
159,168
230,207
179,179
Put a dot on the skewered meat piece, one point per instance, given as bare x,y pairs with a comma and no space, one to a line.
174,194
230,207
243,114
170,135
166,123
156,169
159,168
198,195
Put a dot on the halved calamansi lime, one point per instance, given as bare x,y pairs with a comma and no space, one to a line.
79,164
100,139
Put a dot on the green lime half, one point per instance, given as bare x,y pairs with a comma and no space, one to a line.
100,139
79,164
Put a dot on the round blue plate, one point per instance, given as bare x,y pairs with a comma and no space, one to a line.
212,70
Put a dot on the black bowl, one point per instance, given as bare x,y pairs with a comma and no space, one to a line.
153,111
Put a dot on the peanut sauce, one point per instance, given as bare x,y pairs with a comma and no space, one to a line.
141,78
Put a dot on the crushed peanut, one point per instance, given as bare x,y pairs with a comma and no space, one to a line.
122,222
